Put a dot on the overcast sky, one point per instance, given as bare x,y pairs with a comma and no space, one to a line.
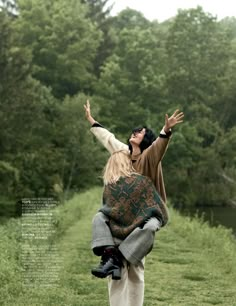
164,9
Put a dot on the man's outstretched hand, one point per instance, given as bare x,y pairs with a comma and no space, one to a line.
170,122
88,113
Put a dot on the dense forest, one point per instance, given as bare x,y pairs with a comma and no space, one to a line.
57,54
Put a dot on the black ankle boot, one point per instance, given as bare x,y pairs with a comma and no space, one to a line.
111,263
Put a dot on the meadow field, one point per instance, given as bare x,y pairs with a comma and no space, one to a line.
191,264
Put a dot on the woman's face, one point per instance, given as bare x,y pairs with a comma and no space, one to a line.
137,137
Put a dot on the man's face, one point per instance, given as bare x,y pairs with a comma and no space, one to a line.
137,136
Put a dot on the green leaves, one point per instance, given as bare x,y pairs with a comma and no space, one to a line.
198,54
63,43
57,53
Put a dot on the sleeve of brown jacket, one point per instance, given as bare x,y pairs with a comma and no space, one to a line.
150,164
155,153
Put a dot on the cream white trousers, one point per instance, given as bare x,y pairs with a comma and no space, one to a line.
129,291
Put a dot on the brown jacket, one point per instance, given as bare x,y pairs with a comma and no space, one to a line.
147,163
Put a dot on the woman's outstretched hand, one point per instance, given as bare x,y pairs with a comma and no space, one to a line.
88,113
170,122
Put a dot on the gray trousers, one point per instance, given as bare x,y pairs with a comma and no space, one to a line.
134,247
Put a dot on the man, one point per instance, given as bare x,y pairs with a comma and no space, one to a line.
146,152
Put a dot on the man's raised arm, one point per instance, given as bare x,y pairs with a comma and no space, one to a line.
107,139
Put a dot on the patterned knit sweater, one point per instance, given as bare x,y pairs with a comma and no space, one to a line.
130,202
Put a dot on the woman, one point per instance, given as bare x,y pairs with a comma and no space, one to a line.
129,200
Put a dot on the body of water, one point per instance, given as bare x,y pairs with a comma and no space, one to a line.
216,215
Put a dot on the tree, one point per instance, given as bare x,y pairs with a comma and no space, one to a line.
198,56
132,79
98,10
79,167
25,126
63,43
99,13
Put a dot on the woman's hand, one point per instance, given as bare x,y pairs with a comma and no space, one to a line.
170,122
88,113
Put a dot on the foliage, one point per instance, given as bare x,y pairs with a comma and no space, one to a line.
138,56
56,54
82,160
63,42
23,124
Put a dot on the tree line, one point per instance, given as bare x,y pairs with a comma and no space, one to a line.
56,54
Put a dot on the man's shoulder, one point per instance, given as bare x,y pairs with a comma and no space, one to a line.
141,178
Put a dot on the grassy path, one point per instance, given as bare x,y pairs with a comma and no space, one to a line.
190,264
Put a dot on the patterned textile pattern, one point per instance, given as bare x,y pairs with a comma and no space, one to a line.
130,202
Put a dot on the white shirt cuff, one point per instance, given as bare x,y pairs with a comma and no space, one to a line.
162,132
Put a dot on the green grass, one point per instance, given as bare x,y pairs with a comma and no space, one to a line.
190,264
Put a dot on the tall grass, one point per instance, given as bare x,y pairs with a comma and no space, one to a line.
190,264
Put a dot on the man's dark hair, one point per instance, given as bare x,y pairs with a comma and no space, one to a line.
148,138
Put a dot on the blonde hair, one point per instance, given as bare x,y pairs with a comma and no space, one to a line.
118,165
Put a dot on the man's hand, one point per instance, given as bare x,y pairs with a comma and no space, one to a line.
176,118
88,113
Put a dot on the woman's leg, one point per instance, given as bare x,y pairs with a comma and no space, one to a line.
103,245
140,241
130,247
101,234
